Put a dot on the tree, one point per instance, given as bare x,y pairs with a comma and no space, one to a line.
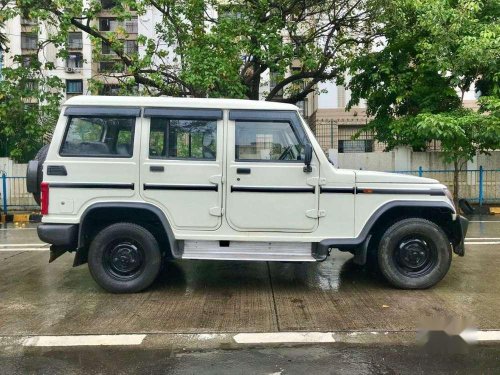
410,77
29,108
223,49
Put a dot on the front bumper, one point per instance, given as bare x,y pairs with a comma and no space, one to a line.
59,235
461,231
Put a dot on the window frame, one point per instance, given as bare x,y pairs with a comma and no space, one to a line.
114,156
166,138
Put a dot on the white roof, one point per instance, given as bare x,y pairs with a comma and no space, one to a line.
163,101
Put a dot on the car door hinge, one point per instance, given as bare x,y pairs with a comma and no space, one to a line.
314,181
216,211
315,214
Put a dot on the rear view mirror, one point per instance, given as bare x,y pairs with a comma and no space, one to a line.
308,151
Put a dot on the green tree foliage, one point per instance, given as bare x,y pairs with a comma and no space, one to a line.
429,50
210,48
29,108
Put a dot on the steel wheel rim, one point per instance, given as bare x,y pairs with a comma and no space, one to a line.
415,256
124,259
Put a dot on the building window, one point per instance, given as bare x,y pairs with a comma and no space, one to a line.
108,24
108,89
27,60
131,47
108,4
29,85
274,79
75,41
74,60
131,26
29,40
74,86
358,145
106,49
110,67
28,21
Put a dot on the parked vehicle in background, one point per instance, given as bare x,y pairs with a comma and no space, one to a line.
131,181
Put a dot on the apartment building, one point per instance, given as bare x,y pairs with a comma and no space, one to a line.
24,38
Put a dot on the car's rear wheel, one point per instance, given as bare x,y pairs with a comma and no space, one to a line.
124,258
414,253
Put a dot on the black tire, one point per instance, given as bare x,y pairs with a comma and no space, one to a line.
41,155
414,254
124,258
465,206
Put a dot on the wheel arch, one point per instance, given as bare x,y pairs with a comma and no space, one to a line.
100,215
439,212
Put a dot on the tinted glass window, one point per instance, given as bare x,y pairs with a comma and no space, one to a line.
99,136
267,141
183,139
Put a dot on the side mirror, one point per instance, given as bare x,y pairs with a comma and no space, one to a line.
308,153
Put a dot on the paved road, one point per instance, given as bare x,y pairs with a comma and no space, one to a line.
197,310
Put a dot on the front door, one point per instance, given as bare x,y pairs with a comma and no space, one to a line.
181,170
267,187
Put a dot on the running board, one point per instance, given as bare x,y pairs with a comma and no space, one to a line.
238,250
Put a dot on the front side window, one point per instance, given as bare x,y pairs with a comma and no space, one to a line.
267,141
183,139
99,137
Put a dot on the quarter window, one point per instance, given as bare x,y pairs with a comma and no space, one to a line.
183,139
99,137
267,141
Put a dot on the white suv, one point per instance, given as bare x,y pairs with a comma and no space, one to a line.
131,181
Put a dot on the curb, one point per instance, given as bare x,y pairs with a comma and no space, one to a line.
21,218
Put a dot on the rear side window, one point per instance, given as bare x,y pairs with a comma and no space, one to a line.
99,137
182,139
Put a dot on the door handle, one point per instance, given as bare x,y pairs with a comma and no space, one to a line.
156,168
243,170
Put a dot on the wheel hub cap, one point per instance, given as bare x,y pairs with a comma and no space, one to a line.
125,258
413,253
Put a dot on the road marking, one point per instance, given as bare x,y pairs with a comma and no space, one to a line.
17,228
482,238
484,221
483,243
283,337
85,340
487,335
10,249
25,244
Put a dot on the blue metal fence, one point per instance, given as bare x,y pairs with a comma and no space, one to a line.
476,185
13,194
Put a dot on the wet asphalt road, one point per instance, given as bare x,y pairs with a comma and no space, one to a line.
193,297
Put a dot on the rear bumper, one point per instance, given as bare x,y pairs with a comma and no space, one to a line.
463,225
59,235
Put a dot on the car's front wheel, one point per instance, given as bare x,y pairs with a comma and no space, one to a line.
414,253
124,258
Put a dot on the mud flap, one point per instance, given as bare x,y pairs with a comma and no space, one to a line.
56,252
361,252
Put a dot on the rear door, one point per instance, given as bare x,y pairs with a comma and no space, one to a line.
181,169
268,189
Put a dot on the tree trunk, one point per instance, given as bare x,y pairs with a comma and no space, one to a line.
456,174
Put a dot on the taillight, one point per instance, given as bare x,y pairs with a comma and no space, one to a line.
44,198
